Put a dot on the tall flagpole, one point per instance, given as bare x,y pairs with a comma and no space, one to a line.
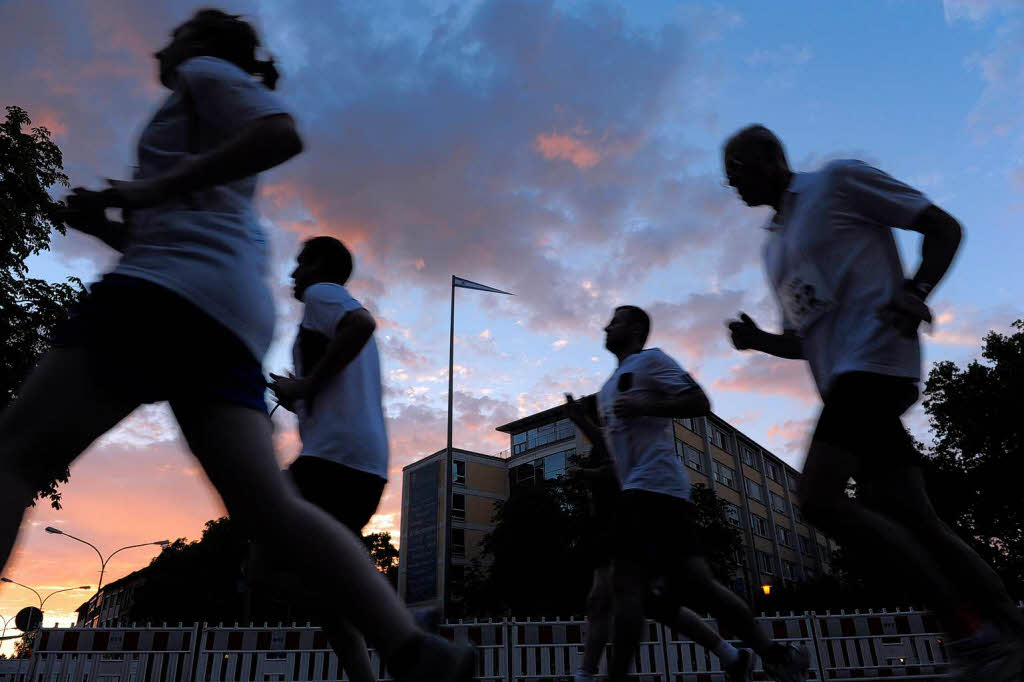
450,483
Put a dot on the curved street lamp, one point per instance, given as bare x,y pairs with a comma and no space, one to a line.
3,632
103,562
42,600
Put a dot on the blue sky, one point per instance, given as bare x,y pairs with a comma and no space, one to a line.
567,152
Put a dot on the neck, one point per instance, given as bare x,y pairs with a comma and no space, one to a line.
629,350
780,192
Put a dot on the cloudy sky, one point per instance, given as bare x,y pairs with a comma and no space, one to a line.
564,151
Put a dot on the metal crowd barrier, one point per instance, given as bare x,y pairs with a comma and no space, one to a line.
895,645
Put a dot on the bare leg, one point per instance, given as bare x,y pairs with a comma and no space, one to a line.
350,648
599,620
234,446
901,495
826,505
59,412
686,622
628,623
706,592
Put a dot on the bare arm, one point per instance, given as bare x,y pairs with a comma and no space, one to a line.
942,236
353,332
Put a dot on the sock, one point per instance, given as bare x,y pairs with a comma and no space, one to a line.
406,656
727,653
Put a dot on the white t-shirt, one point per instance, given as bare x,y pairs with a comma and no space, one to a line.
833,263
346,424
644,448
207,246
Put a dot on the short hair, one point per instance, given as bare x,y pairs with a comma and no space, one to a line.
758,137
636,317
332,255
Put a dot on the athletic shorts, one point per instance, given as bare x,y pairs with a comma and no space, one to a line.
148,344
653,533
349,495
862,415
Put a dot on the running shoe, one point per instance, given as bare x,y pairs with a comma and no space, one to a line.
742,669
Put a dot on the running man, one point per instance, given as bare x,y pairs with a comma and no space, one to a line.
637,405
599,474
186,317
336,395
847,310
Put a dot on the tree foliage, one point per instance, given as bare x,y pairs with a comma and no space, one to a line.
538,560
30,308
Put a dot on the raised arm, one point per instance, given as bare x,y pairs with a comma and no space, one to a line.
746,335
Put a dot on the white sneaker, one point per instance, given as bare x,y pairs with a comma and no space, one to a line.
582,676
794,668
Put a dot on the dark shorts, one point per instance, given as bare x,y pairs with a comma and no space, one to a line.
349,495
149,344
862,415
653,533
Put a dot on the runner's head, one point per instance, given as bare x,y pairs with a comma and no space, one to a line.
322,259
215,33
628,330
755,164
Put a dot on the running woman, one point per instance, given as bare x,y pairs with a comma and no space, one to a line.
637,405
186,317
849,312
599,474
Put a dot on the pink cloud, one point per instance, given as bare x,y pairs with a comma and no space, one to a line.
568,148
765,375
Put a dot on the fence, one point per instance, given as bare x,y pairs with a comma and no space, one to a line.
899,645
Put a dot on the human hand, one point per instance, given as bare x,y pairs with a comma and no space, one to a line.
744,332
288,389
574,410
633,404
905,311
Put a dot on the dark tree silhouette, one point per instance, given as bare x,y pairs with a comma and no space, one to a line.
30,164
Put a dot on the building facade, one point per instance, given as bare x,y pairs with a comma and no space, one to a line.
476,482
112,604
759,490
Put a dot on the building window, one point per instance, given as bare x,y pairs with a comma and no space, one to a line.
790,571
724,474
542,435
784,535
794,481
805,545
754,490
719,438
459,472
458,542
778,503
688,423
690,455
459,507
749,457
772,470
733,513
759,525
797,515
764,562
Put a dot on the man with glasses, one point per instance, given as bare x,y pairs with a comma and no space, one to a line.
847,310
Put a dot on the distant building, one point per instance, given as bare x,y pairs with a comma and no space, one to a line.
111,605
758,487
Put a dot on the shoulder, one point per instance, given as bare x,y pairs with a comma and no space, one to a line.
655,358
211,69
327,292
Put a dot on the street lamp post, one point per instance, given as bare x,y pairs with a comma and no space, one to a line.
42,599
3,633
103,562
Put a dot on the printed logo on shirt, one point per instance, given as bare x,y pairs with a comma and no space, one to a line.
805,296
